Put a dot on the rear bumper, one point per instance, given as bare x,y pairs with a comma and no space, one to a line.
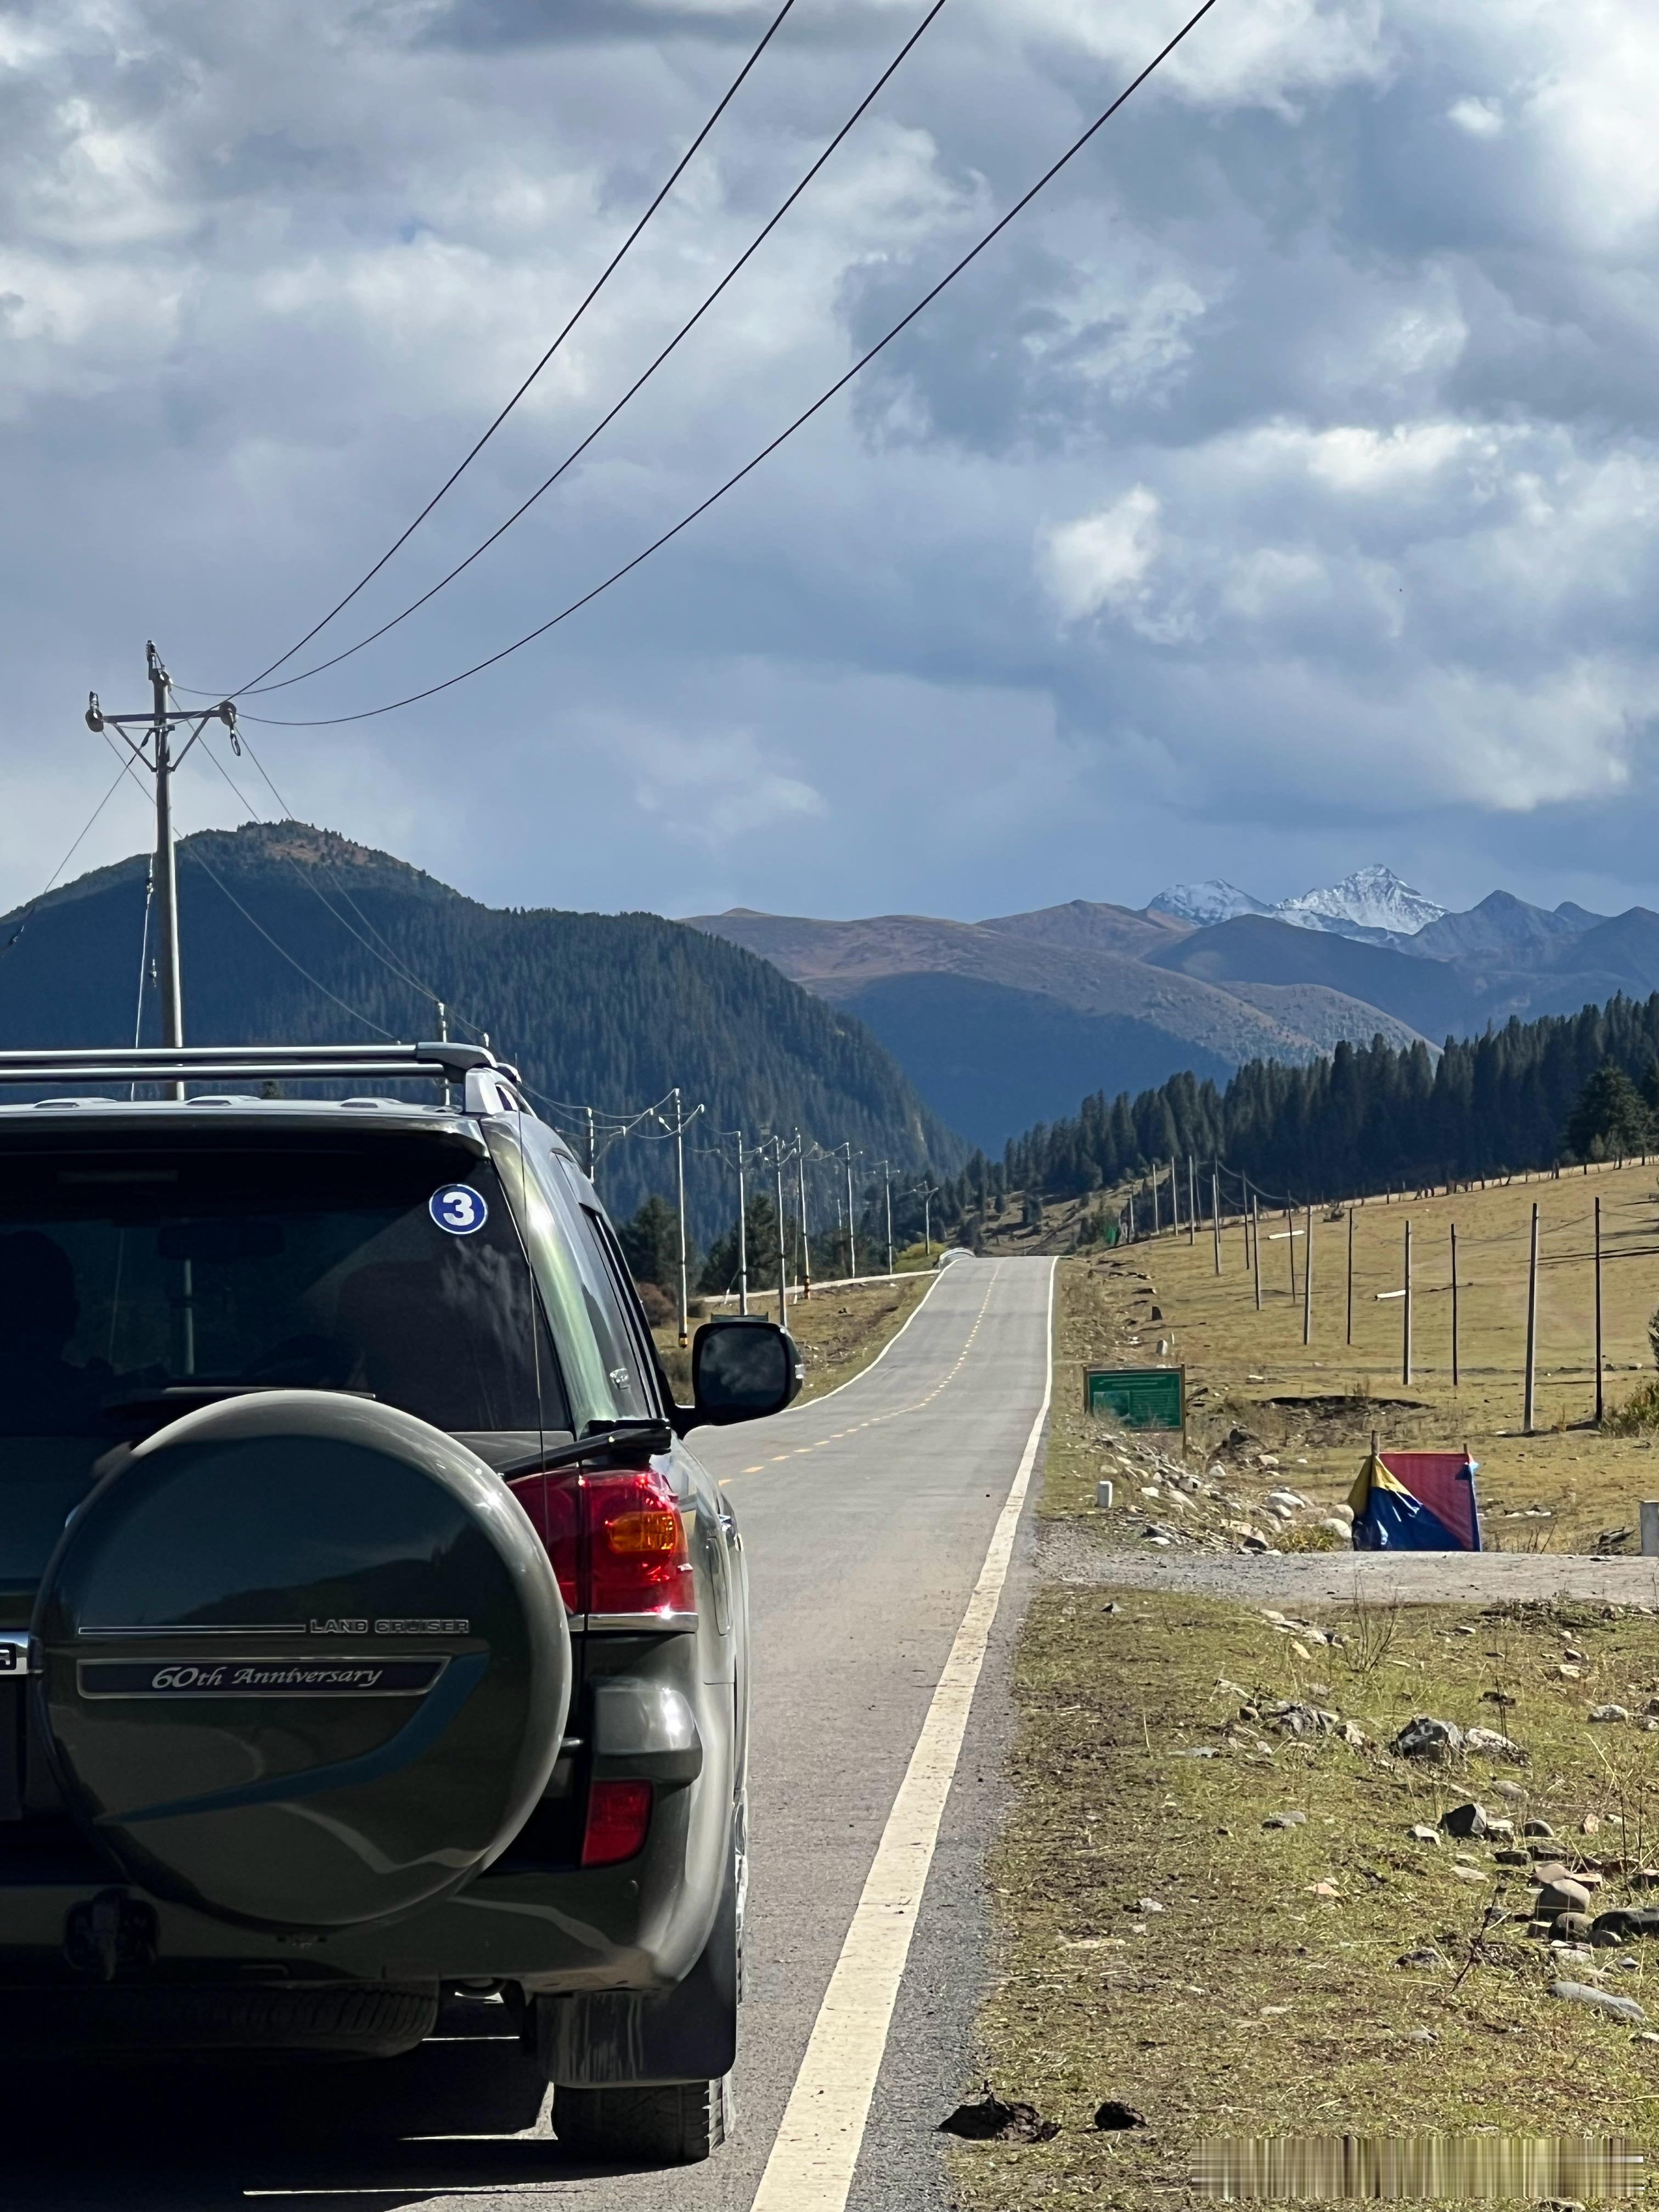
535,1918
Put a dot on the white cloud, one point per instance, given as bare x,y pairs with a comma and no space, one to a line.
1318,400
1104,560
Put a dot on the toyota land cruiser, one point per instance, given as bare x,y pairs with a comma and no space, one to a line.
366,1629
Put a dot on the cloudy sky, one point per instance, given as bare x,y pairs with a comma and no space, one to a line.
1281,493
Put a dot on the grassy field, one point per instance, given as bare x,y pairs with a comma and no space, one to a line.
1240,1362
1157,1944
1163,1947
839,1331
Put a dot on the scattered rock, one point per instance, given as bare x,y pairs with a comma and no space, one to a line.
1425,1960
1513,1857
1285,1501
1491,1745
1535,1827
1198,1751
1424,1834
1501,1831
1591,1824
1512,1790
1468,1873
1468,1819
1112,2116
987,2119
1564,1895
1609,1713
1573,1928
1291,1718
1427,1739
1422,2035
1353,1734
1285,1820
1623,1923
1332,1527
1602,2000
1144,1905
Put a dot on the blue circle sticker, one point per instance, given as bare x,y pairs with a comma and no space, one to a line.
459,1208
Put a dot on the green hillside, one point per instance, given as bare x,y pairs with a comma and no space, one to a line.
610,1010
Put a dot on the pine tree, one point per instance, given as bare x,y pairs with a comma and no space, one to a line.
1610,1117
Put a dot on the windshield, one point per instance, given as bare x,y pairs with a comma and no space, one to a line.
390,1267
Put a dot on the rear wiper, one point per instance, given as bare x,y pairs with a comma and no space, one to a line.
603,1440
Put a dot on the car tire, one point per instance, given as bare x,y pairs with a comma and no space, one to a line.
673,2123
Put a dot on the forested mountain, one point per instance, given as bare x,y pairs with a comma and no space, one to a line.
1369,1117
291,932
995,1020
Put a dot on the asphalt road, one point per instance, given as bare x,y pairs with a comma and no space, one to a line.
867,1519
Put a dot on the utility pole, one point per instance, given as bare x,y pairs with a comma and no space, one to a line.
1256,1246
153,750
1351,1271
1599,1404
591,1162
927,1192
886,1167
1530,1402
800,1194
1454,1289
852,1234
1406,1330
783,1290
743,1234
1192,1198
1307,1281
682,1122
1215,1213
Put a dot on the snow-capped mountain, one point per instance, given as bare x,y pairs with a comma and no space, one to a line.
1205,904
1371,898
1372,902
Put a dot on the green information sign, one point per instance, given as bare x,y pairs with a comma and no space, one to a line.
1139,1397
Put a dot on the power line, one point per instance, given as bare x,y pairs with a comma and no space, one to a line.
23,919
605,275
391,706
127,768
640,381
389,958
343,1003
392,968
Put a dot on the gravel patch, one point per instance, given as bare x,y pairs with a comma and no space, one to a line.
1068,1554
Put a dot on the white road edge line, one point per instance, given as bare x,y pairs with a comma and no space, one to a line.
816,2147
811,1405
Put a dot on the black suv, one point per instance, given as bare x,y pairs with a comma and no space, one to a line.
366,1632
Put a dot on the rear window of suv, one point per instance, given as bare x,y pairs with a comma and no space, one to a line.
390,1267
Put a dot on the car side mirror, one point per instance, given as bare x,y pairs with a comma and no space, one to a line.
742,1369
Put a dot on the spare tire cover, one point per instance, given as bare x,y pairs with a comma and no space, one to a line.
304,1661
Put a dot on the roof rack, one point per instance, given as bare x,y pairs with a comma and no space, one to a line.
442,1062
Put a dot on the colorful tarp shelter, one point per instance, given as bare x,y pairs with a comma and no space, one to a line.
1416,1501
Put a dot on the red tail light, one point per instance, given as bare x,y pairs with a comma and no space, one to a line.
617,1540
618,1815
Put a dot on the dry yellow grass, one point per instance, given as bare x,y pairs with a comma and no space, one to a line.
1591,1481
1256,1991
839,1331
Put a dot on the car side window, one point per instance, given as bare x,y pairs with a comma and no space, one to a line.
602,1386
628,1298
630,1374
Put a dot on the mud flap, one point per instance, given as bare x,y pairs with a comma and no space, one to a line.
603,2039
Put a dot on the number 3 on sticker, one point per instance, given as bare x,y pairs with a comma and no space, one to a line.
459,1208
